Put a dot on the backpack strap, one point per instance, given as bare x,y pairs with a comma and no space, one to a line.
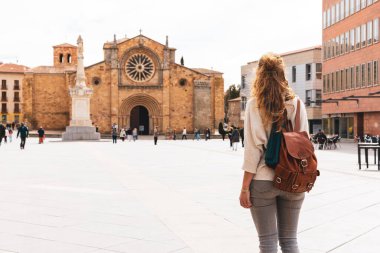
298,117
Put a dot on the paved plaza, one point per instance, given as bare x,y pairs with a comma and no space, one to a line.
178,196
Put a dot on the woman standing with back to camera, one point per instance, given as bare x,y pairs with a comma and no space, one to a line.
274,212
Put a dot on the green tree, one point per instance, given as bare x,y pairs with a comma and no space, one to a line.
232,92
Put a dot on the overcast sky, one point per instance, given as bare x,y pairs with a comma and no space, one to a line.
217,34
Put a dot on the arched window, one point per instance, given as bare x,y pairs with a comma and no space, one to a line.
60,58
69,58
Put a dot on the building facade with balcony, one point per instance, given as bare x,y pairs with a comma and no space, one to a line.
303,70
351,52
11,77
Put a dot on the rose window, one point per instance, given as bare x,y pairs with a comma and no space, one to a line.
139,68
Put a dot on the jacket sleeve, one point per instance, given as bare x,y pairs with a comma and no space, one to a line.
252,151
304,123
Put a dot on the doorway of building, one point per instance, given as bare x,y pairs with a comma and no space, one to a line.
360,125
336,126
140,119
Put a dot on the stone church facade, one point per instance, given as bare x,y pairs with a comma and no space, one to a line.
138,84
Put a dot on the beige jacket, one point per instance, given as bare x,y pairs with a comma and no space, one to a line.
256,137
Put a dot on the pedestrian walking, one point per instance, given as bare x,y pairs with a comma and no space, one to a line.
10,134
135,134
122,134
229,133
274,212
155,135
241,132
2,132
235,139
174,134
195,134
114,135
129,134
41,135
207,134
23,132
184,133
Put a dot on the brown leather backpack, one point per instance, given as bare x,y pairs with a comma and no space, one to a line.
296,171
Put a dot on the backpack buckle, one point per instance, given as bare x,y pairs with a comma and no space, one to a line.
304,163
278,180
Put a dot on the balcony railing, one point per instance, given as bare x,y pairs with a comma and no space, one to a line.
4,99
4,87
16,99
16,87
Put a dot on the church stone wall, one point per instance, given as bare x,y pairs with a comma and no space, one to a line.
202,104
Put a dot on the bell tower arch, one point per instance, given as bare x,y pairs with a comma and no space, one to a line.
65,55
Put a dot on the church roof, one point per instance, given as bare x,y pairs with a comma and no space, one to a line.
118,41
52,69
65,45
12,68
207,71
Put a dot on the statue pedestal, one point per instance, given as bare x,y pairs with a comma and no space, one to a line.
80,125
77,133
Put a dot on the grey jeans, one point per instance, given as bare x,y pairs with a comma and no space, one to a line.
275,214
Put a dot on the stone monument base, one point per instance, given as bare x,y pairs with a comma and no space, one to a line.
80,133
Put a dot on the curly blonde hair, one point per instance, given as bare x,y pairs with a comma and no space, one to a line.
271,89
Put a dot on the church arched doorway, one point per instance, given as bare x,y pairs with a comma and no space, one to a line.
140,119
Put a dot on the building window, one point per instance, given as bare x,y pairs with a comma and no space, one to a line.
324,84
324,20
357,37
342,80
308,72
16,97
318,97
69,58
308,97
333,15
375,72
369,74
347,42
369,2
363,75
328,17
364,35
333,82
4,108
352,7
338,81
342,44
17,108
294,74
60,58
352,39
328,82
342,10
357,75
243,81
347,8
352,78
337,46
318,70
364,4
243,103
4,96
348,79
357,5
369,33
337,13
333,48
16,85
376,30
3,84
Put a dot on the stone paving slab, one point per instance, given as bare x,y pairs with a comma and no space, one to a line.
178,196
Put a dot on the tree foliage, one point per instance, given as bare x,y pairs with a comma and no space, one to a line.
232,92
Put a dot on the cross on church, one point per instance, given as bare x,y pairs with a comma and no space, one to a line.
140,31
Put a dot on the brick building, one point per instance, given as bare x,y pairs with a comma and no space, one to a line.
234,112
303,70
137,84
11,76
351,52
